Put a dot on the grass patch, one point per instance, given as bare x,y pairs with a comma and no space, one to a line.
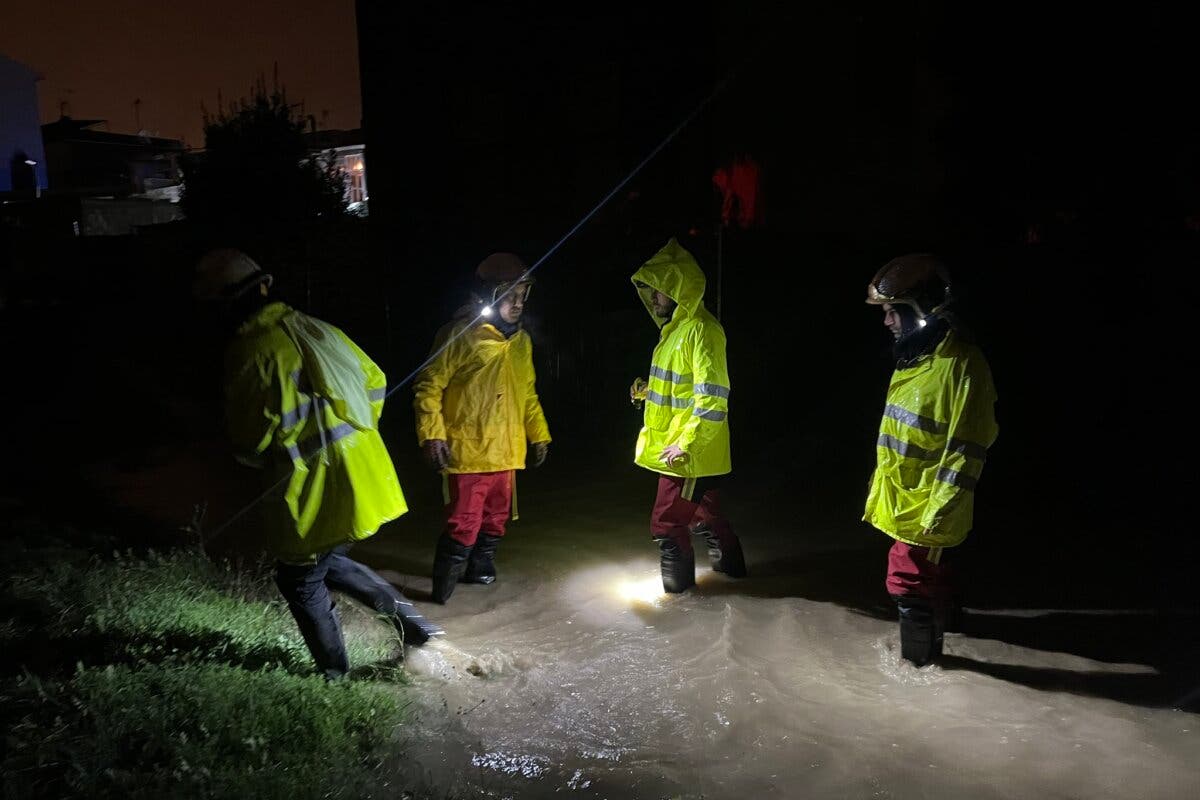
168,675
198,730
173,607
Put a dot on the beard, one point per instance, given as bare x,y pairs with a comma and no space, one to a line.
918,340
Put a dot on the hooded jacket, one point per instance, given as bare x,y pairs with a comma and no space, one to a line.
687,401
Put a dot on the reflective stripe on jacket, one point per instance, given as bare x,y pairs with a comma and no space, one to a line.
937,425
687,401
479,394
341,485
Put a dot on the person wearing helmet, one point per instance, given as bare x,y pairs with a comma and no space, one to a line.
938,423
685,432
303,402
476,408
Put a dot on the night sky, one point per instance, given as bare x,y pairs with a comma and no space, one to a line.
101,56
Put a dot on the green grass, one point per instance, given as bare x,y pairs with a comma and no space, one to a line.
177,607
198,730
167,675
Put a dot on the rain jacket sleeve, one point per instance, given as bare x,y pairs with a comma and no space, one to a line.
972,430
536,429
430,386
253,403
711,390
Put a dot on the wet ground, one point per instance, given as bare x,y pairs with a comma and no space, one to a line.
574,675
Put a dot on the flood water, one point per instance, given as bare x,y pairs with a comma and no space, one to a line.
574,675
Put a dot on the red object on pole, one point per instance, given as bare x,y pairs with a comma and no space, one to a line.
740,184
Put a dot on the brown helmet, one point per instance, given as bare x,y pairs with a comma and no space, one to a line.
496,273
919,280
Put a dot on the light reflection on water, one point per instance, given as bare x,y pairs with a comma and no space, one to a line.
595,683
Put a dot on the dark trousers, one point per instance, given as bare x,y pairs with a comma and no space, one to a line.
306,589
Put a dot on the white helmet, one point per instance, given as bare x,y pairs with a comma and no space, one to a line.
227,274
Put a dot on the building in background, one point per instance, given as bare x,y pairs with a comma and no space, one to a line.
348,152
87,162
22,156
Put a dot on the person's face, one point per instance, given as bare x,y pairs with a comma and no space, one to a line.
512,305
891,320
663,306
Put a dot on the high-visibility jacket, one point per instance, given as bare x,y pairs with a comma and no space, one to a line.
937,425
479,395
687,402
281,414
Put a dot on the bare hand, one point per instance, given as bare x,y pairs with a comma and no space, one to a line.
437,453
673,455
540,451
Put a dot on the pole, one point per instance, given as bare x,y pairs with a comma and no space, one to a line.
720,265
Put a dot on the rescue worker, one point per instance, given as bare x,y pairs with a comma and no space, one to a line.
303,402
476,407
938,423
685,435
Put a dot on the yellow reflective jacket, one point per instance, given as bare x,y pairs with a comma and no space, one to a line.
937,425
341,485
479,395
687,402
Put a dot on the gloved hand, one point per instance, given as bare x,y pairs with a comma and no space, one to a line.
437,453
637,391
540,451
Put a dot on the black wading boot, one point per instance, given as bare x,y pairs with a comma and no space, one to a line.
481,567
678,568
728,560
449,564
920,631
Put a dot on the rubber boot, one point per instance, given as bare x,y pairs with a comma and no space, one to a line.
728,560
449,563
678,568
481,568
920,631
414,628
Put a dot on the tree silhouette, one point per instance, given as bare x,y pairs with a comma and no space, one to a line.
255,171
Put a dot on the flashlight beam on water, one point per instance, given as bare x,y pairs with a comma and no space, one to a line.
647,591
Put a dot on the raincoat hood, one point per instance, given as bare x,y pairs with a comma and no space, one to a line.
674,272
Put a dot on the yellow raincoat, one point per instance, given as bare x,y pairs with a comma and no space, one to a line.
937,426
282,411
479,395
687,403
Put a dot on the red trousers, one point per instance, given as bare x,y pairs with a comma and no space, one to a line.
920,572
678,511
477,502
